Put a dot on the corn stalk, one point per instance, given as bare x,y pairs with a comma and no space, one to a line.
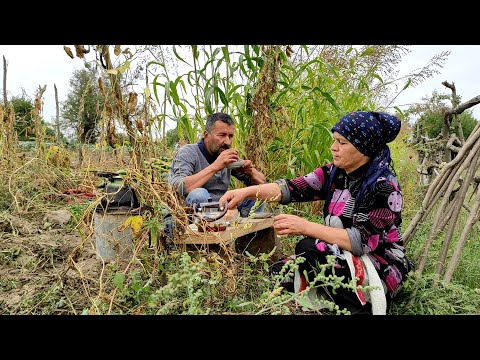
39,129
122,110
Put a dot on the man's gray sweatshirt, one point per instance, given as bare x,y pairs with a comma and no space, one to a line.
189,160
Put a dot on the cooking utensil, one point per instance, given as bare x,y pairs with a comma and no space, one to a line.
210,211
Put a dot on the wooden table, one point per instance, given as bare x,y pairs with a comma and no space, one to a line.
252,235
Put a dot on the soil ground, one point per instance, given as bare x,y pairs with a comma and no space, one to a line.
45,271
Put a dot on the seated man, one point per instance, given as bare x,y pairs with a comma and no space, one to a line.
200,171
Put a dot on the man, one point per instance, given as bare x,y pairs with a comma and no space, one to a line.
201,171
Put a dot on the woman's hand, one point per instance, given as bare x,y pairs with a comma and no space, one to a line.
286,224
233,197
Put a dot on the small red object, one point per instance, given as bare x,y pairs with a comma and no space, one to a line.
212,227
217,228
78,195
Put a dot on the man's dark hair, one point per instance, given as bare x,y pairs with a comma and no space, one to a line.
219,116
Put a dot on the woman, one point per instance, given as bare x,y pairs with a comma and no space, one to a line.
362,212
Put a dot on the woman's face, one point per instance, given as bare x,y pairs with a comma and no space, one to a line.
345,155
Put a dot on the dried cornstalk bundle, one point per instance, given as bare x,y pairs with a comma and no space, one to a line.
262,119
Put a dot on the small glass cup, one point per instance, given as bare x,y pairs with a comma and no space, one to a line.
232,217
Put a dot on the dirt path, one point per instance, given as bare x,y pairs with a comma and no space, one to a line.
45,271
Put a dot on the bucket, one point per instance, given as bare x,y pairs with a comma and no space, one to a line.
111,244
117,205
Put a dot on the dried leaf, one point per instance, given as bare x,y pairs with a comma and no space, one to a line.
80,51
127,51
38,104
108,110
68,51
111,136
132,101
102,87
140,125
117,51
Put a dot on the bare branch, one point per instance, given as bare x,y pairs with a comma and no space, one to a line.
466,105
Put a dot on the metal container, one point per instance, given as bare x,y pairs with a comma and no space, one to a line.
111,244
117,205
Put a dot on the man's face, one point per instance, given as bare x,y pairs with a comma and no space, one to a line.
219,139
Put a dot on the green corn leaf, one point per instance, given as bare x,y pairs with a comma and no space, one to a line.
407,84
222,95
178,56
208,101
124,67
378,77
330,100
367,51
399,111
174,93
226,54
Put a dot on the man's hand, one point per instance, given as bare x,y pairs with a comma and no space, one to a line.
226,157
249,169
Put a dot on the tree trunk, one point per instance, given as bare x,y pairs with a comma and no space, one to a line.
39,133
57,118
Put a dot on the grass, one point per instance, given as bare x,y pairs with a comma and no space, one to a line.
432,297
201,282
